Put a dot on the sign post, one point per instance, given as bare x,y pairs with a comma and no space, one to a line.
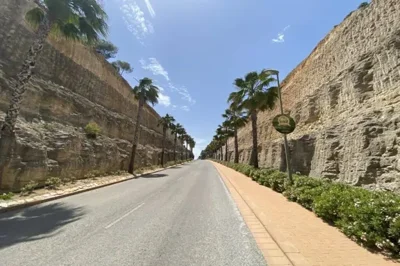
284,124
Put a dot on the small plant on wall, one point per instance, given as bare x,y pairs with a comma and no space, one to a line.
92,130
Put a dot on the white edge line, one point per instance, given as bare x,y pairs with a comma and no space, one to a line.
122,217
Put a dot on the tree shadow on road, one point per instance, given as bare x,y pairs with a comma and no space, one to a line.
36,222
154,175
175,167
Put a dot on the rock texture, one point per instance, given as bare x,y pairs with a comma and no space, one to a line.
72,86
345,99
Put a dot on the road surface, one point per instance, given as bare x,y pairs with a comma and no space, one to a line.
179,217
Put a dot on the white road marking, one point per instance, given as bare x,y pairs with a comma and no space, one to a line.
125,215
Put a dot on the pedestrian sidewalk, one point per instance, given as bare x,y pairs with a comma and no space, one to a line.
288,234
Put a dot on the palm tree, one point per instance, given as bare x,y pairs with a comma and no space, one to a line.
78,20
145,92
228,132
166,123
218,138
237,119
176,130
253,95
192,144
182,137
185,145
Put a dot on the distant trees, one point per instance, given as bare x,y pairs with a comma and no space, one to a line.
253,94
106,49
363,5
166,122
122,66
177,130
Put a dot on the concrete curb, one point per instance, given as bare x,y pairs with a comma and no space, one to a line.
36,202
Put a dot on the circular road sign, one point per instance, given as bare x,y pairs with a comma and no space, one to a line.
284,124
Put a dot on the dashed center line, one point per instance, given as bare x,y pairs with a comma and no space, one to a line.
124,216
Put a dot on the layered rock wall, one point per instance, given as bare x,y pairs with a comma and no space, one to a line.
71,86
345,99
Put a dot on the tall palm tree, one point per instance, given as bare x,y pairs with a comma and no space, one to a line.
176,130
182,137
192,144
237,119
254,94
78,20
145,92
228,132
186,140
166,123
218,138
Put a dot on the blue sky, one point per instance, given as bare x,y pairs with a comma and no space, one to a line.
194,49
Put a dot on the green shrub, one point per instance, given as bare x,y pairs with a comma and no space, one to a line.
97,173
71,179
370,218
89,175
6,196
139,171
29,188
53,182
92,130
276,181
304,190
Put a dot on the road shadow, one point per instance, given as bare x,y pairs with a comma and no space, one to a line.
153,175
36,222
175,167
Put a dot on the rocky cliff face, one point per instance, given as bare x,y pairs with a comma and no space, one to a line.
345,99
71,87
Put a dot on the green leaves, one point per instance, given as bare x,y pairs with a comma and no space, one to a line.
81,20
34,17
370,218
146,92
166,121
253,92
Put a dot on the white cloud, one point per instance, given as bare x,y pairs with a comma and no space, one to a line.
134,19
150,8
183,92
164,99
155,67
185,108
281,36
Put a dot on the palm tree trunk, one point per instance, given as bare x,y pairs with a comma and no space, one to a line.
7,136
236,147
175,148
254,152
226,150
135,138
163,146
24,76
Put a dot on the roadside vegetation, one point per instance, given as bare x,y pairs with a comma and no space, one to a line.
58,183
370,218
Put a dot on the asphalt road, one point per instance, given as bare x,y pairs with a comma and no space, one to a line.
181,216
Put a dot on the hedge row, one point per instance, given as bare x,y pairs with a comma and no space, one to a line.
370,218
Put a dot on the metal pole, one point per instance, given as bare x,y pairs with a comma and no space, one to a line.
284,135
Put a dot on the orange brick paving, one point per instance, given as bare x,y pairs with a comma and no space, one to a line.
288,234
